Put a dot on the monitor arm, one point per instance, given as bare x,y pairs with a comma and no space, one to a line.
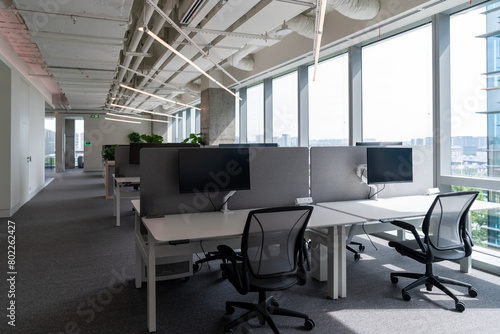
361,171
226,198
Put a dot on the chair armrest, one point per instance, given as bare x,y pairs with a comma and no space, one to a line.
412,229
228,253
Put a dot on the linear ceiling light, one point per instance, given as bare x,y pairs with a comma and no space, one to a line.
140,118
320,20
142,110
186,36
158,97
121,120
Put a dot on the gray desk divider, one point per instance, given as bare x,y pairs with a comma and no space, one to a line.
122,166
333,174
277,176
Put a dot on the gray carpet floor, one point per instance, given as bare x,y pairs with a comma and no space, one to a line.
75,275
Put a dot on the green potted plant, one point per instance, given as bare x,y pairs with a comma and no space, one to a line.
134,137
108,154
157,139
195,138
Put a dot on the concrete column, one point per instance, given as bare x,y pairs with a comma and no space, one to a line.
69,148
217,112
268,110
60,164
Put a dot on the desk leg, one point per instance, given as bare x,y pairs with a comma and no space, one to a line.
117,204
336,262
151,284
466,262
139,264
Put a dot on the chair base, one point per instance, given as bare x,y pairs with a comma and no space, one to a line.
430,280
263,310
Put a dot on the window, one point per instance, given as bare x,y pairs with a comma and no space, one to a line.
397,88
468,97
285,110
50,142
255,114
329,103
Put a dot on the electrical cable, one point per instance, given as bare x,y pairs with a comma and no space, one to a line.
363,226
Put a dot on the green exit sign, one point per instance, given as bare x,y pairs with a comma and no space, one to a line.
94,116
88,143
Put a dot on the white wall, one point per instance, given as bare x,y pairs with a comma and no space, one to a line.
5,106
20,95
100,131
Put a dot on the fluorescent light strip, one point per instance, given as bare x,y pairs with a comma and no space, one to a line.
133,117
141,110
187,60
158,97
186,36
121,120
319,33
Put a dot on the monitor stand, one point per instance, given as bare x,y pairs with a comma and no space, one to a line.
226,198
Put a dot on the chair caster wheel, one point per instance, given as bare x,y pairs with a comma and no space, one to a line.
361,248
229,310
394,279
428,287
275,303
460,306
357,257
406,296
473,292
309,324
196,267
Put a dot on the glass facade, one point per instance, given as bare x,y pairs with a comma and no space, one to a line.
285,110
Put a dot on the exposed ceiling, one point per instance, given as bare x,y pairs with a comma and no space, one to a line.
84,50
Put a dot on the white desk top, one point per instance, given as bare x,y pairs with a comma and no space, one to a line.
395,207
127,179
216,224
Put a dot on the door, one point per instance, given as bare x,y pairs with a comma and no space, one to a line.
24,156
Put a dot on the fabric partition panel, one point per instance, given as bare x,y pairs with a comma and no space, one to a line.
277,176
122,166
333,174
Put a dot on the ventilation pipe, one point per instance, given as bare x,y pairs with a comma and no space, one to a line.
354,9
241,59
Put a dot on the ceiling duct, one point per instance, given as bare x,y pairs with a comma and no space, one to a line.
190,9
242,59
356,9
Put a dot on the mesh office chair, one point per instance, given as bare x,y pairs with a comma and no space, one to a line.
273,257
445,238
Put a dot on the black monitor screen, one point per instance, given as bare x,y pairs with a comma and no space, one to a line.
214,169
378,143
250,145
389,164
135,149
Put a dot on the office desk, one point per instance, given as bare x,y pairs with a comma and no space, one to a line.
119,184
400,208
182,234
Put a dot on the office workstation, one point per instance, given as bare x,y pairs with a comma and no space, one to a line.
310,88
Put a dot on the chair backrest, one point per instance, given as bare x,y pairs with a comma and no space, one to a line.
272,241
444,226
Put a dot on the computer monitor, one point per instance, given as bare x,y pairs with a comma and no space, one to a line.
389,164
378,143
135,149
250,145
214,169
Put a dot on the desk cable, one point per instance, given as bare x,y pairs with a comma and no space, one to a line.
370,196
363,227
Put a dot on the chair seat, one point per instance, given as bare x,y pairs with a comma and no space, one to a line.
280,282
411,249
